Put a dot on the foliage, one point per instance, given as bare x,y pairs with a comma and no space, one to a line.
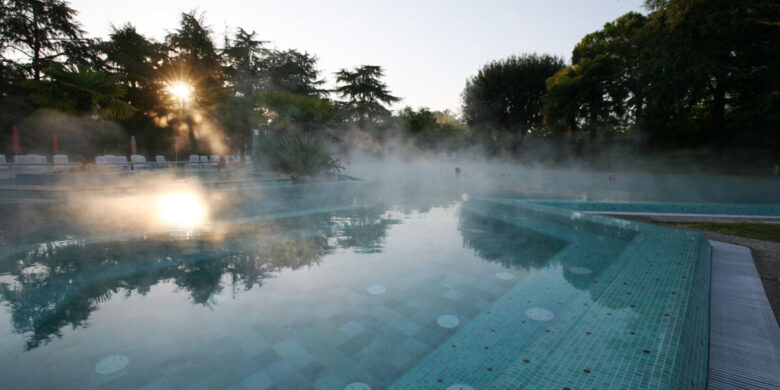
81,91
431,129
294,72
506,95
193,58
242,112
40,31
299,155
292,111
598,90
687,74
134,59
364,94
711,66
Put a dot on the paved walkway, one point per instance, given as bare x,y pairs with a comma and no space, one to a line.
744,336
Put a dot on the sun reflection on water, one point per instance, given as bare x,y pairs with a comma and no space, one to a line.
181,209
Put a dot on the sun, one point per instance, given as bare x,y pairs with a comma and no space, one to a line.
180,90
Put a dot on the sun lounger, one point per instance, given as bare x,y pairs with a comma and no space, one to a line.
138,161
122,162
37,162
204,162
3,163
194,161
214,160
60,161
160,162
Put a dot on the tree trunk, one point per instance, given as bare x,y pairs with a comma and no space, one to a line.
191,133
718,120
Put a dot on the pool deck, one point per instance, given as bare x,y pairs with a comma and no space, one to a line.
678,217
744,336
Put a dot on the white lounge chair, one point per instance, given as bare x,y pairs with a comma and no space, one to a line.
20,162
204,162
3,163
214,160
39,163
138,161
159,162
60,161
123,163
248,162
110,160
194,161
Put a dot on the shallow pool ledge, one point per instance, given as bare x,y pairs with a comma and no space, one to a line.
640,321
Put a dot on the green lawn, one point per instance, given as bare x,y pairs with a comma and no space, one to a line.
758,231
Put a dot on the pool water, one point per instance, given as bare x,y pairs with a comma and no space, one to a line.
333,289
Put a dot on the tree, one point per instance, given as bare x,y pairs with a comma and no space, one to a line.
40,31
244,56
81,90
291,111
432,129
364,94
607,64
711,66
294,72
242,112
193,60
506,95
135,60
585,93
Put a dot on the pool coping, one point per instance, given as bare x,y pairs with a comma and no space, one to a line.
650,214
744,335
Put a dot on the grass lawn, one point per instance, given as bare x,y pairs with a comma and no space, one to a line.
758,231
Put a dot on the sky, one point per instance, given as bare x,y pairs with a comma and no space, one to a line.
427,48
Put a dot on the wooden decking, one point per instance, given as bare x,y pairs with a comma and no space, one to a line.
744,336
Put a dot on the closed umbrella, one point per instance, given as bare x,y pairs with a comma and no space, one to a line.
17,144
132,145
56,145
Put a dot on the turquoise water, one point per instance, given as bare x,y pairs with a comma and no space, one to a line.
330,285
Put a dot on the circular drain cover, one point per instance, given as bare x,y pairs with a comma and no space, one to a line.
111,364
580,270
448,321
539,314
357,386
376,289
504,275
460,387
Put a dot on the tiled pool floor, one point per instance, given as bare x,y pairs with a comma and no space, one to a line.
489,294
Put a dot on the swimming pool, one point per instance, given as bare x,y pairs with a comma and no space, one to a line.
334,285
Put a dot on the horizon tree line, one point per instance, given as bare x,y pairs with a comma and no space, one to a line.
690,73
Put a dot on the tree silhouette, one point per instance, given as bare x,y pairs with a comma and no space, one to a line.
506,95
365,94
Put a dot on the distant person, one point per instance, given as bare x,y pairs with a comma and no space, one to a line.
457,171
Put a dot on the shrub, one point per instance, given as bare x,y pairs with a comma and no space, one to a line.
299,155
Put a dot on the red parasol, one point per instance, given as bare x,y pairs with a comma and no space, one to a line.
132,145
17,144
56,145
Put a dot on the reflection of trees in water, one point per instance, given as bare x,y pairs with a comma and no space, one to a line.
364,230
58,285
505,243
